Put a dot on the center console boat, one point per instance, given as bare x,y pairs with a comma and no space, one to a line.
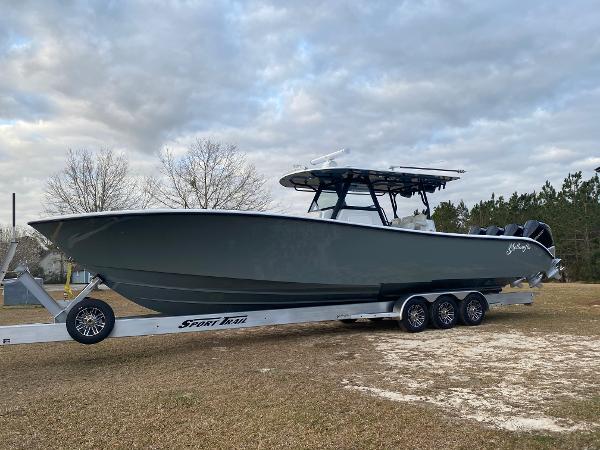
347,248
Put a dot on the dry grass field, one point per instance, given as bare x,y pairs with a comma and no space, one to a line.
529,377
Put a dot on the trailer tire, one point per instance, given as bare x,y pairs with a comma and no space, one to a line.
414,315
348,321
90,321
471,310
444,312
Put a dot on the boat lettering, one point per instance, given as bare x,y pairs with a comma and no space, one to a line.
6,341
212,321
200,322
517,246
234,320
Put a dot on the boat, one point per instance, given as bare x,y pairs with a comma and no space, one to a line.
344,250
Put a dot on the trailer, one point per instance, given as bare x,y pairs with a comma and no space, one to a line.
89,321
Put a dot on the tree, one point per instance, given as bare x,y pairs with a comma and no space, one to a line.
573,213
449,218
580,202
210,175
29,250
91,182
464,217
446,217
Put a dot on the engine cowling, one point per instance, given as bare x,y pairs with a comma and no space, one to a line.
539,231
513,229
477,230
495,231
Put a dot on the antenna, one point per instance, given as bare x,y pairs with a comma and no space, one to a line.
329,160
427,168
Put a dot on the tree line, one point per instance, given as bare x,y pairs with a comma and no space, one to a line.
573,213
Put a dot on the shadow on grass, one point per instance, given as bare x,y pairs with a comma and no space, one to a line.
115,351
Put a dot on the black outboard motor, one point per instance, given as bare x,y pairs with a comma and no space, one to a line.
538,231
495,231
513,229
477,230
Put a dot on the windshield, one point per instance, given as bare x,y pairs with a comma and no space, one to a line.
354,206
326,200
359,200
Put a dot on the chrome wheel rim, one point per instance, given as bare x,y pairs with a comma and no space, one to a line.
90,321
446,313
416,316
474,310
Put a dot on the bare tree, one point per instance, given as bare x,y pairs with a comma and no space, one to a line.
29,251
210,175
92,182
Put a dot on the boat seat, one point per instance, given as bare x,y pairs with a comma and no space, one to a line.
418,222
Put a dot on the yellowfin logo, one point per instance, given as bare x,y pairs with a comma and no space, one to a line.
518,246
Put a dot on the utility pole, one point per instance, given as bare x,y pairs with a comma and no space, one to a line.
12,248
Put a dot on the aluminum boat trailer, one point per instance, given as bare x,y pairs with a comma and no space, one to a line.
89,321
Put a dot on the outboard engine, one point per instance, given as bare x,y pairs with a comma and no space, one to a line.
477,230
495,231
538,231
513,229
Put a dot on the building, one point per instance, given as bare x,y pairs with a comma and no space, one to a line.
80,276
54,266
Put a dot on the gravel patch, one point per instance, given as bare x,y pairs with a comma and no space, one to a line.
506,380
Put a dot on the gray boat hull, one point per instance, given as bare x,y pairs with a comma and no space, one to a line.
192,262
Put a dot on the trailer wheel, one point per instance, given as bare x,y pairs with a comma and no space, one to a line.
444,312
414,315
90,321
471,311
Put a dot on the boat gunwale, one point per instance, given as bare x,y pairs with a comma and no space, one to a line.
149,212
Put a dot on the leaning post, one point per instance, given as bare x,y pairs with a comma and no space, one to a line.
12,247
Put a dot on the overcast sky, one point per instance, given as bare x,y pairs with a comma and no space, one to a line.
509,91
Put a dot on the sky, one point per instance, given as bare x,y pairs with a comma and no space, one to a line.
508,91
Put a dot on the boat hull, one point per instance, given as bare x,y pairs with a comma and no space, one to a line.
188,262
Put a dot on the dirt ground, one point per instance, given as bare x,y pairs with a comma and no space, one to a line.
529,377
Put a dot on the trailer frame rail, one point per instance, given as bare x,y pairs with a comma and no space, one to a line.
158,325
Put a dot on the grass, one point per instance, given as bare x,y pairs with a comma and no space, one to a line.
269,387
586,409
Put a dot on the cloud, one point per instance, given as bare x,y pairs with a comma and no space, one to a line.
508,91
